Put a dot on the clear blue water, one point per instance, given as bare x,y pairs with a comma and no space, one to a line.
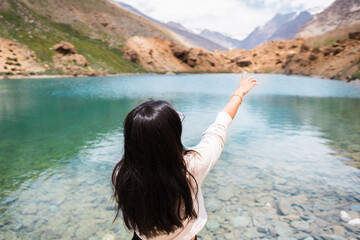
295,142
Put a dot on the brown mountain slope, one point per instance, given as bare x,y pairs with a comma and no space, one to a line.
96,28
340,13
340,33
17,58
339,60
161,55
101,19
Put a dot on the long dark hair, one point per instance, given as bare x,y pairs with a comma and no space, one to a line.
152,186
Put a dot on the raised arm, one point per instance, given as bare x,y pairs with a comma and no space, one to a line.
243,88
213,139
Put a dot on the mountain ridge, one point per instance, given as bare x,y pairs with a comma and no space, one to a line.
280,27
340,13
220,39
191,37
97,29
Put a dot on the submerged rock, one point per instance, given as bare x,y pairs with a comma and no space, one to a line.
213,205
212,225
331,237
355,222
351,228
108,237
338,230
284,207
300,225
240,221
355,207
309,238
30,209
290,217
345,216
264,230
354,214
225,194
283,229
286,238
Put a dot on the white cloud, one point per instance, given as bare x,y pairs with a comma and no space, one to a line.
233,17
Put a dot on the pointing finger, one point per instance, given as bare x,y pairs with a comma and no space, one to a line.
243,76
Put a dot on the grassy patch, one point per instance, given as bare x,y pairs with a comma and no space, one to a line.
41,34
268,71
356,75
195,71
330,41
323,43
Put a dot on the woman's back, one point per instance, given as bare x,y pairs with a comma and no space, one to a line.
152,173
199,162
157,182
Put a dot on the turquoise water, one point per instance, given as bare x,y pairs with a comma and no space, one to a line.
290,165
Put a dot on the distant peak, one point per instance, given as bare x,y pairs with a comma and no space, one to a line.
175,24
206,31
315,10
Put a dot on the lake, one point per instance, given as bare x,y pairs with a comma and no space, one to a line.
290,165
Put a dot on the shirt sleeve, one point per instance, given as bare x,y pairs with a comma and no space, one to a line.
210,146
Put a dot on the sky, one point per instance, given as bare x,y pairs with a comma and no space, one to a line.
236,18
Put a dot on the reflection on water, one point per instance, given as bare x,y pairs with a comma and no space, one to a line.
335,118
283,171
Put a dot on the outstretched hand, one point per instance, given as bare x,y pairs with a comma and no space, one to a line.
245,85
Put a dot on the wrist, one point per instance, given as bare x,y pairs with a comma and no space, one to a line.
238,96
241,93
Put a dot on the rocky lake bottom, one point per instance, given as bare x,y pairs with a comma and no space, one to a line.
289,169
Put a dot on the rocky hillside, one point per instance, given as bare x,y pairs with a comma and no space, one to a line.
160,55
330,37
96,28
280,27
17,58
96,37
340,13
191,37
339,60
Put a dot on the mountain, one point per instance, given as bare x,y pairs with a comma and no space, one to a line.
280,27
97,29
176,25
340,13
335,61
191,37
221,39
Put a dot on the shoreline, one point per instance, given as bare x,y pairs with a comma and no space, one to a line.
20,76
41,76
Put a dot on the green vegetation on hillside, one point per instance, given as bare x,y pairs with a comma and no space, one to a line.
40,34
330,37
356,75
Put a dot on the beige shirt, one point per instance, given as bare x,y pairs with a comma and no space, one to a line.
199,165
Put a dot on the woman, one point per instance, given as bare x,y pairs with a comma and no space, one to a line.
157,182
